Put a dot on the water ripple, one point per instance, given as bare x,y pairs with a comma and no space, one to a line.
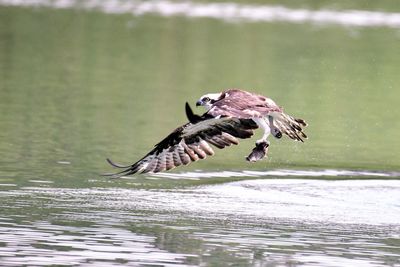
274,221
49,244
279,173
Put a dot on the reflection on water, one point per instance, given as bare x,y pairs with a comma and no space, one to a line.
42,243
273,221
226,11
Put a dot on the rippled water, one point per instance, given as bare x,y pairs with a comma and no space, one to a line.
264,221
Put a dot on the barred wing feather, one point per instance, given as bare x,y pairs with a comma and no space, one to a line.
190,143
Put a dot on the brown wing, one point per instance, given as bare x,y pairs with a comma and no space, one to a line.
242,104
189,143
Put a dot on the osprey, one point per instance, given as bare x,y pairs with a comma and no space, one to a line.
230,115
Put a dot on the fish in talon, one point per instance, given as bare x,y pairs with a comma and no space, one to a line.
259,152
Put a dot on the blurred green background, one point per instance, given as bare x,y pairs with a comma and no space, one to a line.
79,86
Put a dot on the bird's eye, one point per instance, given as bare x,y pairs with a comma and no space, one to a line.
206,99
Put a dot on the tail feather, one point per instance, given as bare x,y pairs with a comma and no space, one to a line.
290,126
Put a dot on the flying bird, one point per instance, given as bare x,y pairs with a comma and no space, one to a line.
230,115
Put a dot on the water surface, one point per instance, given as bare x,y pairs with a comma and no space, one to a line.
80,85
268,222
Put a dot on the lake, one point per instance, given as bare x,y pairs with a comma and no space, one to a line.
82,81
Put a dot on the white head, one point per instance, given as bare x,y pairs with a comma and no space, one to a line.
208,100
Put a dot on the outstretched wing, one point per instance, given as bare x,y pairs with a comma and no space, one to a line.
242,104
191,142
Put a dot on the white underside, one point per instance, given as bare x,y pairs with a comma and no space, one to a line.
203,125
264,124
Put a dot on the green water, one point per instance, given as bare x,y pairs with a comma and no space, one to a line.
81,87
77,87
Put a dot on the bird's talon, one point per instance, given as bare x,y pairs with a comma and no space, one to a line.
262,143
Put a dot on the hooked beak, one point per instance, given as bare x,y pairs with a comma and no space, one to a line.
199,103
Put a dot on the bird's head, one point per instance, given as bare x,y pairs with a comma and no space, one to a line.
208,100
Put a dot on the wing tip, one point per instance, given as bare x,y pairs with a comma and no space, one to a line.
127,170
193,118
117,165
